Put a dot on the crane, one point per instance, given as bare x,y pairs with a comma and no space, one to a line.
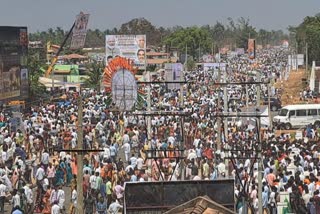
55,58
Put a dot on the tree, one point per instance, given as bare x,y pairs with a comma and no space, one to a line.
94,73
143,26
190,64
218,33
36,89
308,32
195,39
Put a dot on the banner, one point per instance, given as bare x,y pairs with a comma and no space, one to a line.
240,51
173,72
79,31
10,82
24,82
252,48
13,56
132,47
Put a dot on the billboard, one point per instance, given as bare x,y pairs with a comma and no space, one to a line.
79,31
13,57
252,48
132,47
173,72
164,195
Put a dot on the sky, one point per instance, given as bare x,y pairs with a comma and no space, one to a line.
40,15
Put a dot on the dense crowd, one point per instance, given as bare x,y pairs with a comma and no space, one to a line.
36,175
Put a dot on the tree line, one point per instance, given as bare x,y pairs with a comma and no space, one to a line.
307,35
198,39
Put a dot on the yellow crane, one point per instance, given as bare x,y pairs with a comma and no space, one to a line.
54,59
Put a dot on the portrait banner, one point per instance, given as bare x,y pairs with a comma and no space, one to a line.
132,47
252,48
79,31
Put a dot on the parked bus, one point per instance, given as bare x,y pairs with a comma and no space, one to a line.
296,116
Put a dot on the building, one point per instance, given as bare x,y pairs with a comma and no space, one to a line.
157,59
13,64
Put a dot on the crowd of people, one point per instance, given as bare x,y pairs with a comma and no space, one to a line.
36,175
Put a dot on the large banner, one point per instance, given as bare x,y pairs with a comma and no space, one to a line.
79,31
24,82
252,48
13,56
173,72
10,80
132,47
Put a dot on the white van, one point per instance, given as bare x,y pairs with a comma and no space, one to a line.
297,116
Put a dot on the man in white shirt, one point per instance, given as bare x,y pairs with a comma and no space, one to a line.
3,193
92,181
61,198
29,195
140,162
45,159
55,209
133,161
126,148
15,199
40,174
114,207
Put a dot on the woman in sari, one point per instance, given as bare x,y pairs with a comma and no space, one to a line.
59,176
69,174
46,202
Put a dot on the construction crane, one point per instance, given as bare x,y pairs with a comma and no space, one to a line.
55,57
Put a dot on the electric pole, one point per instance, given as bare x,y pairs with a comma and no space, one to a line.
259,144
80,157
149,125
219,119
225,109
182,128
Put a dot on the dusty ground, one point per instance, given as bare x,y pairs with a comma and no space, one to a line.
292,87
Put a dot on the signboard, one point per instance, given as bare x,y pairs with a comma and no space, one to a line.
295,60
13,56
79,31
252,48
240,51
173,72
132,47
214,66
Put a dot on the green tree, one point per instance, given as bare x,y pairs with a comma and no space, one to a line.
197,40
308,32
36,89
94,73
190,64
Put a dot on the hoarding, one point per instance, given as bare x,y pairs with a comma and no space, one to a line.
13,57
79,31
132,47
164,195
173,72
252,48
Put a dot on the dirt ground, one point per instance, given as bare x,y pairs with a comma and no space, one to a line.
292,87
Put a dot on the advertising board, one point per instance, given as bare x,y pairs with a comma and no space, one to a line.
173,72
13,57
132,47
